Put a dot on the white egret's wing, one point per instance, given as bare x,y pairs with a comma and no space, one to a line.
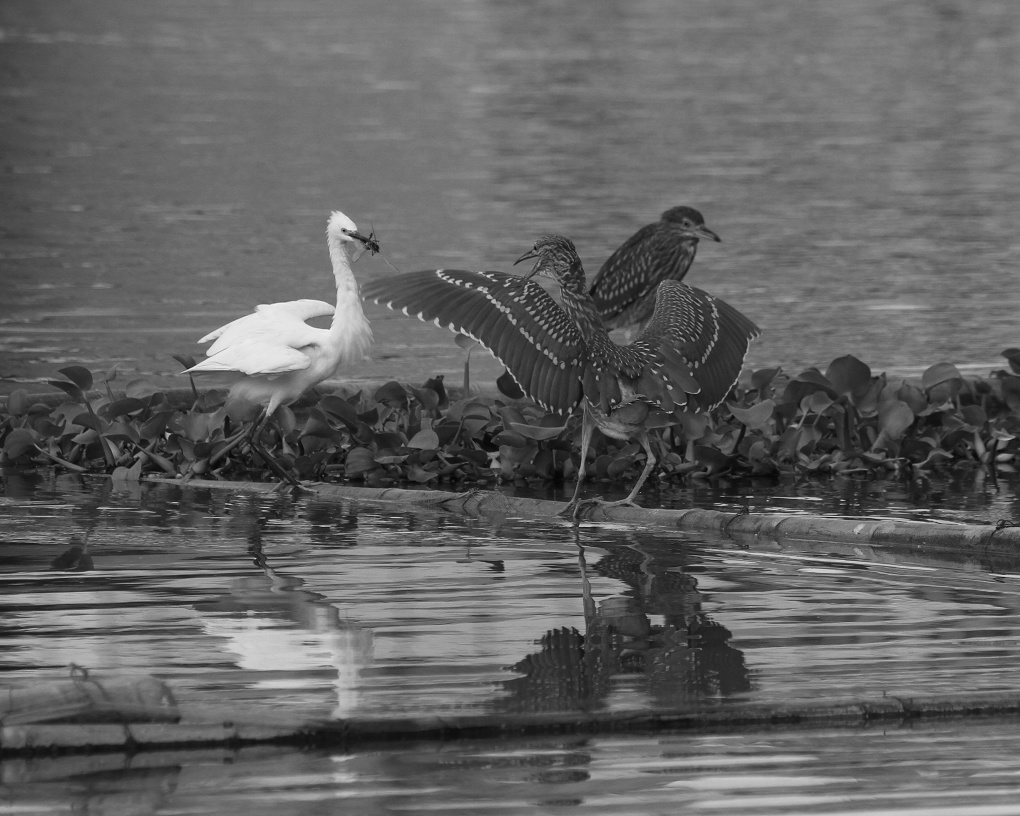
304,309
269,341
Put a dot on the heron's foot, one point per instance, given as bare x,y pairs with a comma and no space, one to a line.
628,502
296,487
580,508
583,508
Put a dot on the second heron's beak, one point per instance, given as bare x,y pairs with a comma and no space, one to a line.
701,231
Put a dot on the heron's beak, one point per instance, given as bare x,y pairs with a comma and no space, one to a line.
527,256
701,231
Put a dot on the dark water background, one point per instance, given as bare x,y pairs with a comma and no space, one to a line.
166,166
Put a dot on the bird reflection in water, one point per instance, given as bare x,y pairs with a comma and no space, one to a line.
684,661
277,630
76,557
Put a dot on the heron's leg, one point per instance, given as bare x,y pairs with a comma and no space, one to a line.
650,462
587,426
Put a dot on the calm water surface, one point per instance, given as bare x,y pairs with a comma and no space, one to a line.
167,166
258,607
921,770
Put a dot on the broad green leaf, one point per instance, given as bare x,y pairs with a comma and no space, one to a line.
848,375
19,442
70,389
318,426
755,417
894,418
510,415
88,420
389,457
18,402
511,438
391,392
712,458
79,375
428,398
161,462
154,426
763,377
939,373
974,415
122,407
817,402
465,342
619,466
121,432
359,461
424,440
815,377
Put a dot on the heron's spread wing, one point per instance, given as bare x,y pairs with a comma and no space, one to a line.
514,318
268,341
708,334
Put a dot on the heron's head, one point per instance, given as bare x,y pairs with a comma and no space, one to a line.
687,222
344,231
555,257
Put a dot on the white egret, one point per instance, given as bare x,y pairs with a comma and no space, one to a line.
282,356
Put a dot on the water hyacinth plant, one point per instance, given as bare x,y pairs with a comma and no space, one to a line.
843,421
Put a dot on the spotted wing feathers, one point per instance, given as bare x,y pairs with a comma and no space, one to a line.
515,319
707,333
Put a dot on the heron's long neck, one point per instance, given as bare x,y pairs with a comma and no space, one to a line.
579,305
688,249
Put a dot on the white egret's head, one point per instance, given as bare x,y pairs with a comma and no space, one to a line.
342,230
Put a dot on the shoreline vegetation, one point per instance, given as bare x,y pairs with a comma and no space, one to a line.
844,420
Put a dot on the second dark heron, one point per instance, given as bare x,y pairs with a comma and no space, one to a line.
624,288
687,358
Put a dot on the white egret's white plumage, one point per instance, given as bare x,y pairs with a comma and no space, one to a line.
282,356
279,352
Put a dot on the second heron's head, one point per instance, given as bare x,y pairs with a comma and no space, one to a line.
687,222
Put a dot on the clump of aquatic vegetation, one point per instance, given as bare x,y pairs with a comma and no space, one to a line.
843,420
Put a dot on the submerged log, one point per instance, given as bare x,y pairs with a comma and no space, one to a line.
89,698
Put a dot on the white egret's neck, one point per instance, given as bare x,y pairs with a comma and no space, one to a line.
350,330
346,285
